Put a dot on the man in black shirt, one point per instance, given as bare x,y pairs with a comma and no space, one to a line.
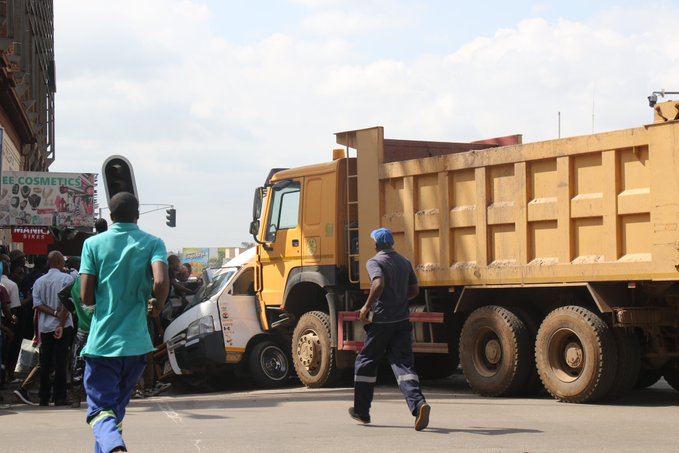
393,284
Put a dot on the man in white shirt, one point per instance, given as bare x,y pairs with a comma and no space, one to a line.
15,308
56,328
11,287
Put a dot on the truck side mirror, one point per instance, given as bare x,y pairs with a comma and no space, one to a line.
254,227
257,205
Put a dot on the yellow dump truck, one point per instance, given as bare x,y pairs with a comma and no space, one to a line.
551,264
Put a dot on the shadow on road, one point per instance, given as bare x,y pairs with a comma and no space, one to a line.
651,397
249,395
475,430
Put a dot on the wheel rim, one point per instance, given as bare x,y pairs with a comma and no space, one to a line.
566,355
487,353
274,363
309,351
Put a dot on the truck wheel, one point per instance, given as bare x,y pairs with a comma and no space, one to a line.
629,362
575,355
494,351
269,364
312,351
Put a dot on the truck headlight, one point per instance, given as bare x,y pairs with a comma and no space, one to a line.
200,326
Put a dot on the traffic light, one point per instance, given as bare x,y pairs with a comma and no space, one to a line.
171,217
118,177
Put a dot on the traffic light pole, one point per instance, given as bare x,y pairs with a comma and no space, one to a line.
119,177
158,207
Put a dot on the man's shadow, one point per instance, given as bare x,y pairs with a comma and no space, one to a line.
472,430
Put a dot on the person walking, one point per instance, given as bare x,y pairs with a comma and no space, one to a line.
70,298
13,347
123,271
56,327
388,330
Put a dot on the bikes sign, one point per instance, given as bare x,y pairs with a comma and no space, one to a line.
47,199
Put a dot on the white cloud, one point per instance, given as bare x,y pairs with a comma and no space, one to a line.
203,116
343,23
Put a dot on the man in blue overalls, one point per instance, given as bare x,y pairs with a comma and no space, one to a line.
393,284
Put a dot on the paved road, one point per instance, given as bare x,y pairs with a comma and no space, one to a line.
297,420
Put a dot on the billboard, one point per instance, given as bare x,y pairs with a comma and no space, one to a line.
47,199
198,258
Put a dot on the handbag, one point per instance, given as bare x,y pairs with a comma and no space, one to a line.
28,357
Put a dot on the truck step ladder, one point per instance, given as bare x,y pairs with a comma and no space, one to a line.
352,216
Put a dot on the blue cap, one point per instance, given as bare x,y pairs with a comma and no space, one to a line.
382,237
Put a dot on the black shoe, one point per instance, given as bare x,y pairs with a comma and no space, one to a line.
422,419
22,394
44,403
62,402
359,417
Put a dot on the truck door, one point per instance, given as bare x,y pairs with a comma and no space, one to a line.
282,236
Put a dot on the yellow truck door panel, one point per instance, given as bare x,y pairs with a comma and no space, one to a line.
282,249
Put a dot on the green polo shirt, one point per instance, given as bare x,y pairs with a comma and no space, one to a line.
84,313
120,259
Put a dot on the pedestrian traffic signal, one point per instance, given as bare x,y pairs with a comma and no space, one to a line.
118,177
171,217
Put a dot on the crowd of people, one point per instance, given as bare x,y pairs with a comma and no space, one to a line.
41,309
16,297
113,294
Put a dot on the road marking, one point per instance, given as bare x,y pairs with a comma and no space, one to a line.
170,413
176,418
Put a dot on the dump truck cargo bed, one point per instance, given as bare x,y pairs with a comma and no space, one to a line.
601,207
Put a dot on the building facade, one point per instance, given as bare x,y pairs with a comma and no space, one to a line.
27,86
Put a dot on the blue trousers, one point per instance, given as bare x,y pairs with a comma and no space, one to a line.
109,382
396,341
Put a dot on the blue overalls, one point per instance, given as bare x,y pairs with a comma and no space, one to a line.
396,340
109,382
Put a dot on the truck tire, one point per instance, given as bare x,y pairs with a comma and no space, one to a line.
629,363
312,351
575,355
495,351
269,364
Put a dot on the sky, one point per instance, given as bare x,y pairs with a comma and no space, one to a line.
203,97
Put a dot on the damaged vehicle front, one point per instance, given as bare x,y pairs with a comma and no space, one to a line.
221,329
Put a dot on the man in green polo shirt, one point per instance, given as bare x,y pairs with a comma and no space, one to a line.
123,271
